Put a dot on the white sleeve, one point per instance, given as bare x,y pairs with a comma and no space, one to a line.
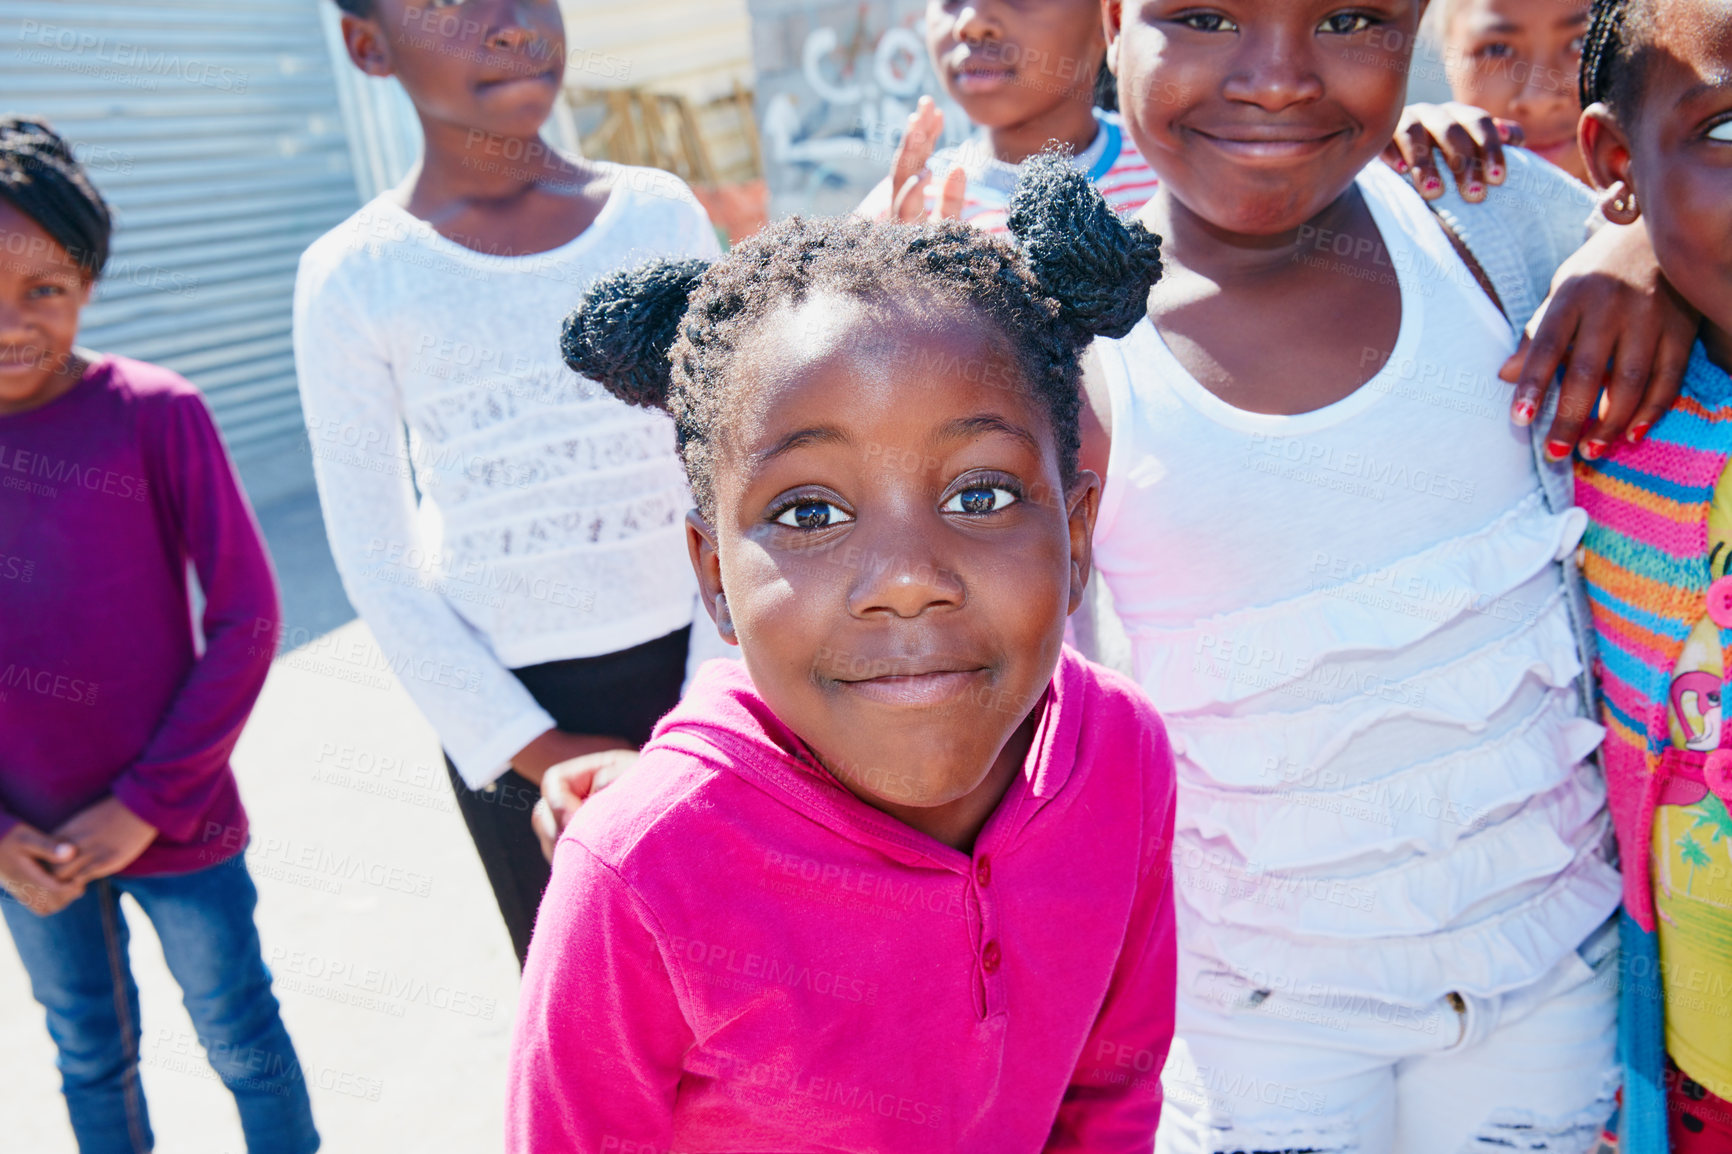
361,461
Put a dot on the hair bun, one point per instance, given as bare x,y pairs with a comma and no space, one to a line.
1096,266
622,330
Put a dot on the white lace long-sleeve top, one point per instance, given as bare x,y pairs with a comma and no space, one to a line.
550,518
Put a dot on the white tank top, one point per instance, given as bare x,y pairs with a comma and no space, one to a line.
1353,622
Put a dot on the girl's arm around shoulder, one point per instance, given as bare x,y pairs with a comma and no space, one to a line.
1609,320
600,1036
1621,338
1114,1098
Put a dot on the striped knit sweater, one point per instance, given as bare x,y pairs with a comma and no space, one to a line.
1645,560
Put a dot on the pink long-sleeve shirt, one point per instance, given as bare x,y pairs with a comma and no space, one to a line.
737,954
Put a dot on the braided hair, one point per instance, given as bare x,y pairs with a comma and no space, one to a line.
666,335
1617,35
41,178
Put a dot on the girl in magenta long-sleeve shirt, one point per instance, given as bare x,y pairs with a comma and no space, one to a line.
900,883
115,729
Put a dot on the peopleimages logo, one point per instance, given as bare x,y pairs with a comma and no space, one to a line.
47,683
140,59
23,468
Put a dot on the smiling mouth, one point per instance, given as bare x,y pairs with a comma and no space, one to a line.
1252,143
920,689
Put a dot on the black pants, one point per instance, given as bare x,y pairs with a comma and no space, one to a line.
619,694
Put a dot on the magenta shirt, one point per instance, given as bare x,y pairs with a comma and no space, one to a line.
106,495
736,954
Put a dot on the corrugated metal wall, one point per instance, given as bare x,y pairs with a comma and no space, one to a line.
214,130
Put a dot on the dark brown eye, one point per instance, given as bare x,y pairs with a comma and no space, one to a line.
1346,23
980,499
812,515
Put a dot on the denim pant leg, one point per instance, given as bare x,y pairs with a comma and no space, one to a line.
78,970
205,922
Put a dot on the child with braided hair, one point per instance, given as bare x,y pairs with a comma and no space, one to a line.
118,727
1657,137
835,904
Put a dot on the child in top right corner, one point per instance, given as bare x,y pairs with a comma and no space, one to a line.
1518,60
1657,136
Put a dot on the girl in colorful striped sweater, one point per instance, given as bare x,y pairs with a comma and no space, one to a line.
1657,134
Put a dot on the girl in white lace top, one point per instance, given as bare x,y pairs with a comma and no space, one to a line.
511,534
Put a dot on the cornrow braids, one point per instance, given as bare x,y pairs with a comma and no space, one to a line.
667,335
42,179
1617,35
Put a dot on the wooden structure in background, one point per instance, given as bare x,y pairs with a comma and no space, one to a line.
714,147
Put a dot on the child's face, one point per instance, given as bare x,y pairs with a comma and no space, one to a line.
1258,114
42,290
494,66
1675,153
1521,60
894,548
1007,61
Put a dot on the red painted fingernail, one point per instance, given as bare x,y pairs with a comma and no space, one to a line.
1638,431
1594,450
1524,412
1432,184
1557,450
1402,166
1494,173
1474,188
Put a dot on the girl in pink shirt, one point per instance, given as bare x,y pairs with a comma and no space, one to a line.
900,882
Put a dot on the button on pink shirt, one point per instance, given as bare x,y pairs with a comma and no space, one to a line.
736,954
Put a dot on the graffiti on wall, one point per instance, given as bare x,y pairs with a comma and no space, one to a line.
836,83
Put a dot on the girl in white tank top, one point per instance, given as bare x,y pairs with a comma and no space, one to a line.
1355,623
1359,639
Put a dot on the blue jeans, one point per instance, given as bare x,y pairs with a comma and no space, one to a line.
77,961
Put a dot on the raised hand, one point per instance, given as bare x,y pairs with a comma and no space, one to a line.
909,176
